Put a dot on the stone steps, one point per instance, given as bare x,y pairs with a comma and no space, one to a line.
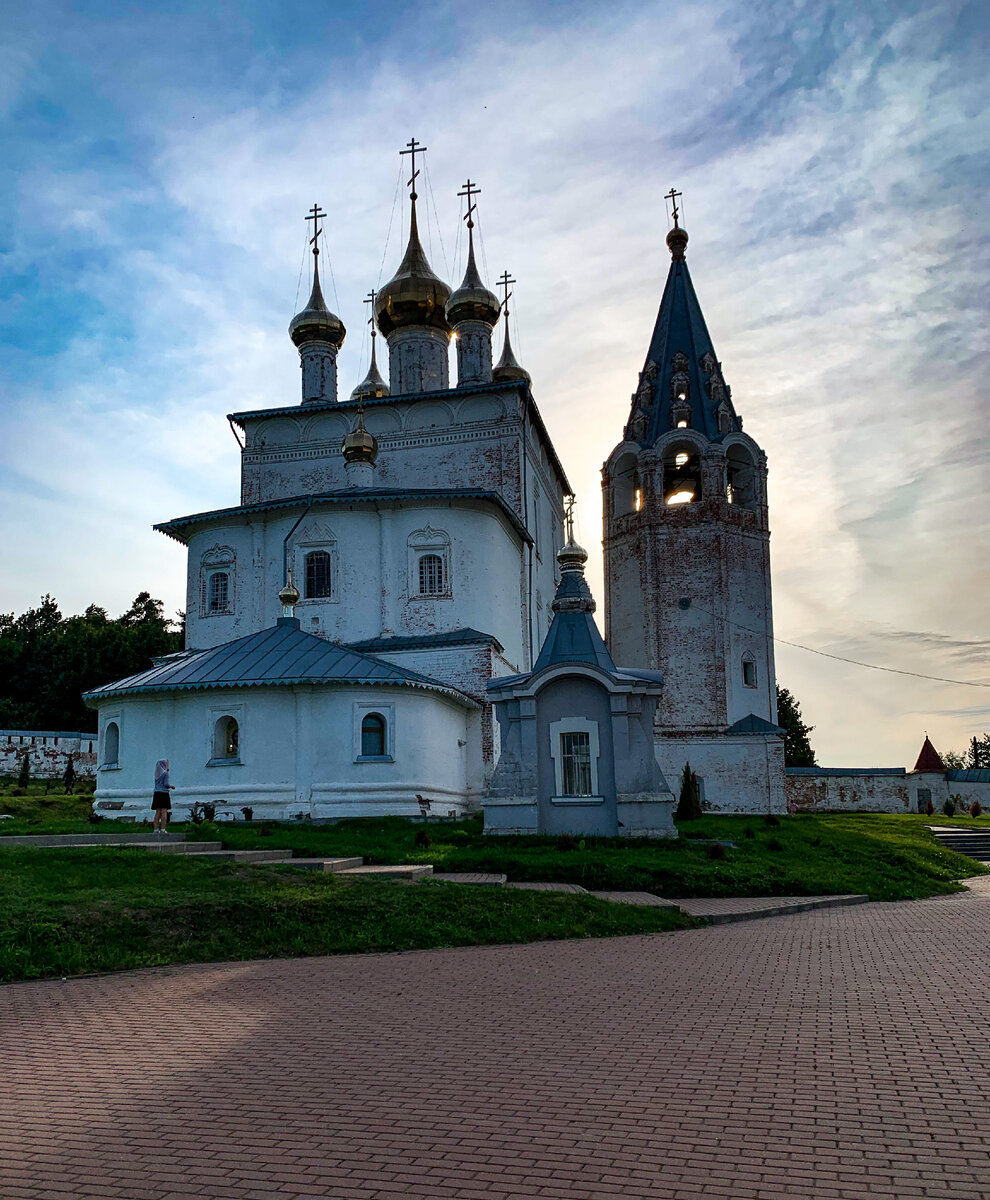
329,865
478,878
377,871
974,843
61,840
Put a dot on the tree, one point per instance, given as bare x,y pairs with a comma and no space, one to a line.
24,777
975,757
689,803
797,745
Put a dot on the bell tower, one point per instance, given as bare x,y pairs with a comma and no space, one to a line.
687,540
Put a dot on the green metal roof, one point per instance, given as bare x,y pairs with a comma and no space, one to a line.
275,657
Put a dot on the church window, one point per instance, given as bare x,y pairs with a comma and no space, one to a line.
226,739
740,471
431,582
111,744
219,591
749,671
318,575
575,755
626,491
373,736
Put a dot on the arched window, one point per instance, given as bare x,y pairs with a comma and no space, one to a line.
111,744
431,580
373,736
740,473
681,475
219,592
318,575
226,739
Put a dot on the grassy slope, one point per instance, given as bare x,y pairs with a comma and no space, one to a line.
70,911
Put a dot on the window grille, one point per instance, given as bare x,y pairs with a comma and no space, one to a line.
431,580
373,736
219,592
318,575
575,751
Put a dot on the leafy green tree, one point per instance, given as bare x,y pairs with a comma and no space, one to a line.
797,743
47,661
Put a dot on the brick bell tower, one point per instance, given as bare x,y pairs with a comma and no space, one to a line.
687,542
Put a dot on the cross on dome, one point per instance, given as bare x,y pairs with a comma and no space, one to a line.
413,149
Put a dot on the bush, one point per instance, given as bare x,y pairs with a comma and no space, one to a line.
771,820
773,844
423,839
975,809
688,804
18,791
566,842
458,837
716,850
929,808
24,775
199,814
248,813
949,807
205,830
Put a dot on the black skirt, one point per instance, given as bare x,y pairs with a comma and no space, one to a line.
162,800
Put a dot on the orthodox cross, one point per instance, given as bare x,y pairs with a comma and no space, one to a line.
469,191
569,502
371,312
504,283
673,197
414,148
314,215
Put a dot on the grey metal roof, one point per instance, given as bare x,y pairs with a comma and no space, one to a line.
174,527
86,737
431,641
970,775
845,770
754,724
275,657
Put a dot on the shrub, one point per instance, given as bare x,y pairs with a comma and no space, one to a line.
458,837
248,812
94,818
716,850
24,775
18,791
773,844
566,842
929,808
771,820
207,830
423,839
975,809
199,814
949,807
748,833
688,804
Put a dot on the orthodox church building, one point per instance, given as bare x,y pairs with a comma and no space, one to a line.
388,611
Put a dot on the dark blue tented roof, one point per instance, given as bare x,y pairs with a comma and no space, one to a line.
680,328
573,637
754,724
277,656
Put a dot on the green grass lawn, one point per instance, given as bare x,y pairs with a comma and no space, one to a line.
70,911
67,911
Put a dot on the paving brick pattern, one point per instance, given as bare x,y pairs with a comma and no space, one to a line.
841,1053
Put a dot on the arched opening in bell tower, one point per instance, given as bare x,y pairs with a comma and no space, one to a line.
681,474
740,477
627,494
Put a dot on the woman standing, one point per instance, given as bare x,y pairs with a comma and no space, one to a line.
161,801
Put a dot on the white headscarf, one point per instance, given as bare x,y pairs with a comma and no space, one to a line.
161,775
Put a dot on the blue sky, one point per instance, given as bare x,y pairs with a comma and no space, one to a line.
157,161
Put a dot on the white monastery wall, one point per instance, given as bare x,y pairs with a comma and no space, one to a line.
301,756
739,774
49,752
882,790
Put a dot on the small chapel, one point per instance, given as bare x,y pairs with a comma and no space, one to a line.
396,610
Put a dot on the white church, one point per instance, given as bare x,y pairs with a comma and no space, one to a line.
395,577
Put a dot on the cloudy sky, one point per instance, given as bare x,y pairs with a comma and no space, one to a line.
157,161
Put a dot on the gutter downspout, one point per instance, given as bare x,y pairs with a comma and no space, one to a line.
285,541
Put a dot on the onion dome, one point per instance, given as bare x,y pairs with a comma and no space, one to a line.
289,595
372,387
414,295
573,593
316,323
472,301
507,367
359,446
677,241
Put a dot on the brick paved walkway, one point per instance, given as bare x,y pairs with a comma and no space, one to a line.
841,1053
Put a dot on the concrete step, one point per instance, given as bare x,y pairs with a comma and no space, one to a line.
475,877
549,887
329,865
161,847
47,841
974,843
644,899
245,856
400,871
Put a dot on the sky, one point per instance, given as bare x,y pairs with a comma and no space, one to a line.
157,162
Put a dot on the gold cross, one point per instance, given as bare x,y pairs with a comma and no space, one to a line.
314,215
673,197
414,149
504,283
371,311
469,191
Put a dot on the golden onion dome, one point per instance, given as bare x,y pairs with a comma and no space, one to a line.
316,323
372,387
507,368
472,301
359,445
677,241
414,295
